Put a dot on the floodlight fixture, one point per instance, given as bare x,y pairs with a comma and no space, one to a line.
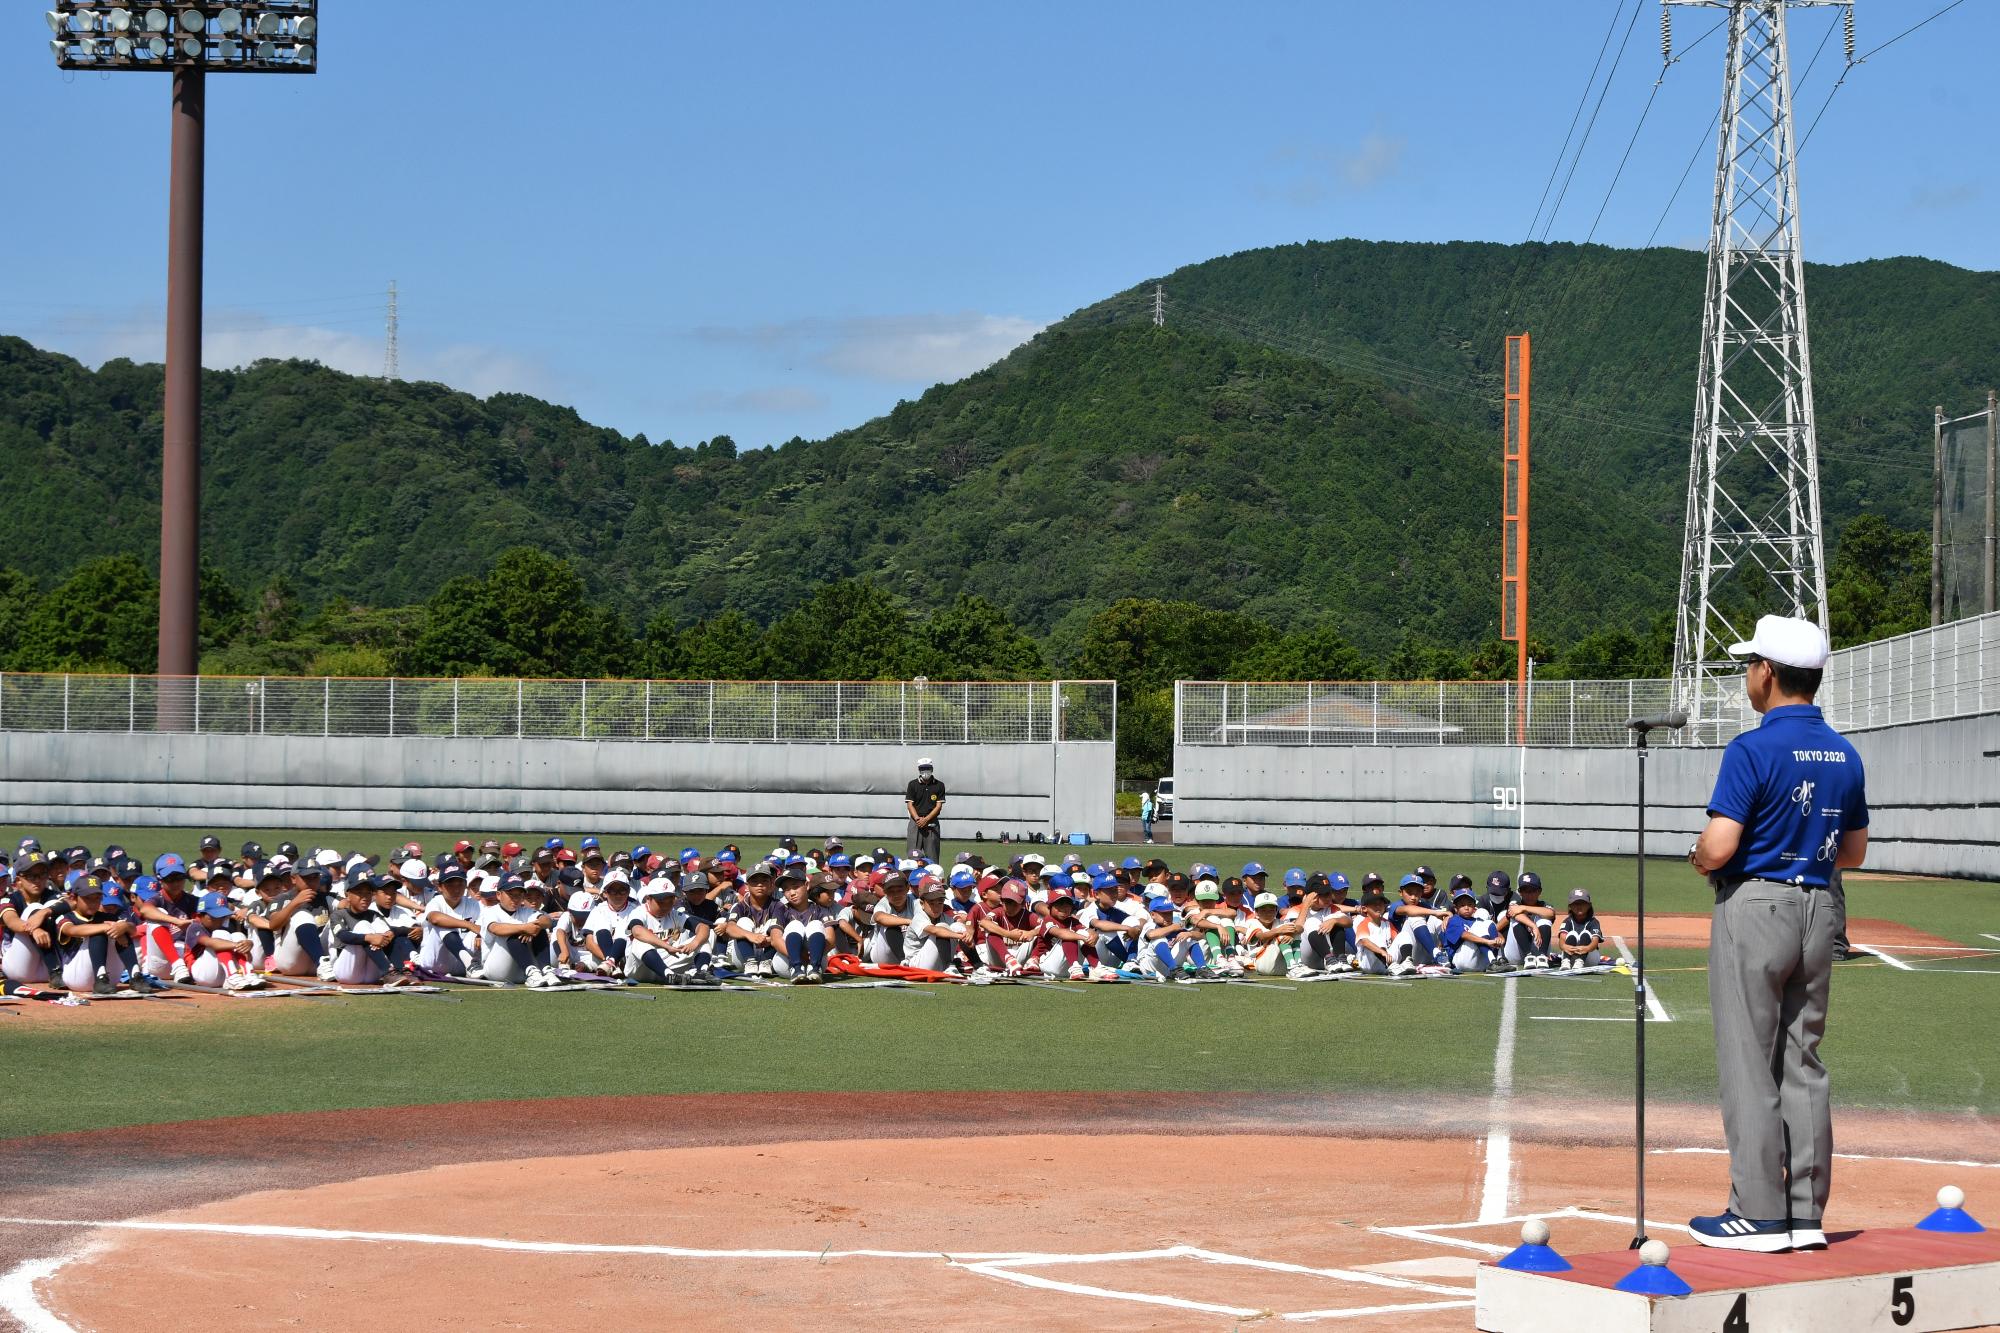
188,38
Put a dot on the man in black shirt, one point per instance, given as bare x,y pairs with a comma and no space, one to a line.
924,799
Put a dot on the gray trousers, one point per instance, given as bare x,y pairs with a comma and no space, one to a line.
923,840
1770,957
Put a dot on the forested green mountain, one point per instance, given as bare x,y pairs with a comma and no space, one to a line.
1312,439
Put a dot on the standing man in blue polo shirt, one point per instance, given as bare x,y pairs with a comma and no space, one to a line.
1789,808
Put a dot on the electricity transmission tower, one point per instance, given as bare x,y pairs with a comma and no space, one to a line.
1159,306
1753,518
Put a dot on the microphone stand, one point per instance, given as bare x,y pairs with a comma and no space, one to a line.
1642,727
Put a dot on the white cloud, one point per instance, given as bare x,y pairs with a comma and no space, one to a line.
1308,173
895,349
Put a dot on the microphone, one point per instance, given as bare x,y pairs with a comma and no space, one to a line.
1672,720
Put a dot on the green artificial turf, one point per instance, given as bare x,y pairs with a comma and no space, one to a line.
1898,1039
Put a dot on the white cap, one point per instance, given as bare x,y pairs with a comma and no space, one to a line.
1033,859
481,882
581,902
1266,900
413,869
616,876
925,762
326,857
1786,640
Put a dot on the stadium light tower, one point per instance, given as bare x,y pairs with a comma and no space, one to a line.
189,39
1753,515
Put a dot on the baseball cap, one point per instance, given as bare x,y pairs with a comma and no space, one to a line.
762,870
1370,880
1034,859
1159,905
1208,893
1103,882
1069,859
1498,881
565,856
145,888
793,870
964,878
167,864
640,853
451,872
1056,879
461,846
1426,874
510,849
1786,640
1529,880
727,856
251,852
1579,895
694,882
413,869
114,901
214,904
1253,868
509,884
211,843
593,853
581,902
1336,881
1012,892
1409,882
839,861
1461,881
1466,894
924,763
1130,863
1179,884
588,843
271,870
617,876
1265,900
1295,878
659,886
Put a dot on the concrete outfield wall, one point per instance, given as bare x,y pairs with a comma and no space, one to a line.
1934,791
608,786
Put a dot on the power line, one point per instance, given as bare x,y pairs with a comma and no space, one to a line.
1590,124
1575,116
1907,31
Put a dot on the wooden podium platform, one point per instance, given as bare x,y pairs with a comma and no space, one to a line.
1896,1281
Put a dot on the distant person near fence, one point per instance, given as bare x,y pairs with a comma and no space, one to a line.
924,799
1147,809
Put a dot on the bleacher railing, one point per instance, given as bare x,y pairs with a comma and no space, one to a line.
1950,671
912,712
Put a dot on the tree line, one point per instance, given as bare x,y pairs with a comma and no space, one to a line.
531,614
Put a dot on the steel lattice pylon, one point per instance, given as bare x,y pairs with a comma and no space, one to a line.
1753,519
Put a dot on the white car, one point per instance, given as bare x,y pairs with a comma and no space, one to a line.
1163,801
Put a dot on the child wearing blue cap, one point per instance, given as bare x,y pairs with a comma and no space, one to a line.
219,948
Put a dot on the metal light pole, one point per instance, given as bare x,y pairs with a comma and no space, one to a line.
188,39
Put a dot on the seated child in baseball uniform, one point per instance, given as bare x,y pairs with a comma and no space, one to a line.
1060,951
94,936
1580,937
1272,940
1469,940
660,940
514,935
219,948
1528,924
1170,943
28,952
1374,936
450,939
1417,928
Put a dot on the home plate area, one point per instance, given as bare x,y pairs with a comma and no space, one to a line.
1100,1231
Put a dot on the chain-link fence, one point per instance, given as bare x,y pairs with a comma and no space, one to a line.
914,712
1432,712
1950,671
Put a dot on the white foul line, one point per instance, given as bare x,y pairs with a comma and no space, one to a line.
1885,956
1499,1134
18,1297
1653,1005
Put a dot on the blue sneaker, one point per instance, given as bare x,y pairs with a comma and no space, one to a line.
1727,1231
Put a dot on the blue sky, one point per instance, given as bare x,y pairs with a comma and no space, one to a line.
777,219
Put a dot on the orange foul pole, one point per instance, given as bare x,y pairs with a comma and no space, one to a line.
1514,525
